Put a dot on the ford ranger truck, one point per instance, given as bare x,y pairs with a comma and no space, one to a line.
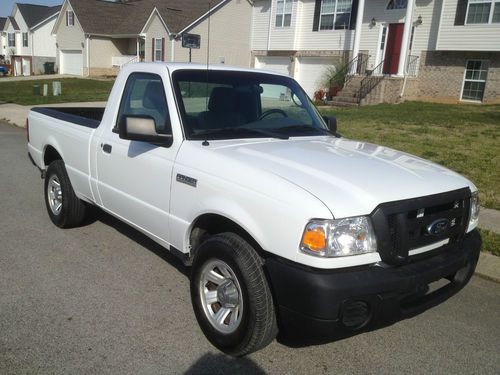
287,226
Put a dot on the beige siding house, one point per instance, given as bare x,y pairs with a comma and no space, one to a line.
96,37
388,50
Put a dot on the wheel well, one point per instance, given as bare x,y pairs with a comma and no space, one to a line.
50,155
210,224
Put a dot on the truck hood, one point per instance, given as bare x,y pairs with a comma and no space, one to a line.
351,178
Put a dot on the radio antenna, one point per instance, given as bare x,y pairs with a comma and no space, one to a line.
208,50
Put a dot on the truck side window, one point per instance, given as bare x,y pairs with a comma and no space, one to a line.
144,95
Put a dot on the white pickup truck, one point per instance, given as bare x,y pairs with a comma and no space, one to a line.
286,225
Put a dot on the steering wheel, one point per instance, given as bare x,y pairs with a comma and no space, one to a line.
271,111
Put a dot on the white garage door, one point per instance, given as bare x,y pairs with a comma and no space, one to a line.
71,62
311,73
272,63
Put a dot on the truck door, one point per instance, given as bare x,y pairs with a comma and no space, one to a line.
134,178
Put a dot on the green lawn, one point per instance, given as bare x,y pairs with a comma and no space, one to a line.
464,138
491,242
73,90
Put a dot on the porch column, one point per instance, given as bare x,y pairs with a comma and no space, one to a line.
137,46
357,35
406,38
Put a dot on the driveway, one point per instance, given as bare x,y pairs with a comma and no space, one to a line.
105,299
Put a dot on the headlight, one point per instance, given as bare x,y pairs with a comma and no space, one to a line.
339,238
474,211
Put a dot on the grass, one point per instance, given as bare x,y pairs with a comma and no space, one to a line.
464,138
491,242
73,90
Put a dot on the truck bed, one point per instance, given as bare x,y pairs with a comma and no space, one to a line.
87,116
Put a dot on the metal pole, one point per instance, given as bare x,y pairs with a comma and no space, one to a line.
189,54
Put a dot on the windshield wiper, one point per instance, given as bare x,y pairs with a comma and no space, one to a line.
307,128
241,130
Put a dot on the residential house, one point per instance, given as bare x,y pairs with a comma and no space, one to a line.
439,50
3,37
97,37
27,38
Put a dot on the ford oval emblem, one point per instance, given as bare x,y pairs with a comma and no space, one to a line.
438,226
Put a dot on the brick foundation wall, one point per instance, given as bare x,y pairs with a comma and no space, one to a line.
441,74
103,71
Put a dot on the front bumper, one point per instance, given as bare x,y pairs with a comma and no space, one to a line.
316,303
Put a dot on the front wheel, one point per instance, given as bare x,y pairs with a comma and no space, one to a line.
65,209
231,297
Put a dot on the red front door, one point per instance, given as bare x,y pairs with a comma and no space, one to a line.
393,49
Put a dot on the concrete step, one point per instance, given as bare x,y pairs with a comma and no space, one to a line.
340,102
347,99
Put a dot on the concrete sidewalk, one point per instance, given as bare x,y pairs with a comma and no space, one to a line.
16,114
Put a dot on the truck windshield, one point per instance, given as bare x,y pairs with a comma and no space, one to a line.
231,104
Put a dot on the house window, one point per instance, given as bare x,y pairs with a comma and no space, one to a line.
397,4
158,50
284,13
335,14
483,11
70,18
12,39
474,80
25,39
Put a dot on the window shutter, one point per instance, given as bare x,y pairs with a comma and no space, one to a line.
67,22
354,13
162,49
461,11
317,12
153,50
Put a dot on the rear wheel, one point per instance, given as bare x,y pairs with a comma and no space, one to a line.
65,209
231,297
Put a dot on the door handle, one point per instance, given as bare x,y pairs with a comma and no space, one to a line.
107,148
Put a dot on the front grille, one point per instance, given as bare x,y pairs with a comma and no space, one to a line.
403,226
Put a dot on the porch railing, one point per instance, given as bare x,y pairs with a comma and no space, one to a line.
345,73
411,66
123,60
372,79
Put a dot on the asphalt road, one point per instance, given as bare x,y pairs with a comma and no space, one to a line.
105,299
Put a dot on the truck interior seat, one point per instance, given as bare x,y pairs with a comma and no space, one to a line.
222,110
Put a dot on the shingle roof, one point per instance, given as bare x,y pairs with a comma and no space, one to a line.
14,23
128,17
2,22
34,14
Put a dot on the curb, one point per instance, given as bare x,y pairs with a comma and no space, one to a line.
488,267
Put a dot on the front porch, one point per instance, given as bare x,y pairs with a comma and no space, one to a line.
382,71
108,56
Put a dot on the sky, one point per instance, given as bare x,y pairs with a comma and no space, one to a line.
6,5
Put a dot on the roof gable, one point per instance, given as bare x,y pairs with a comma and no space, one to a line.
35,14
129,17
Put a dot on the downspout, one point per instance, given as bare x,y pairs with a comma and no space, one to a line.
401,94
172,48
87,39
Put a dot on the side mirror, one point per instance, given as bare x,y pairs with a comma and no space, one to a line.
143,129
331,121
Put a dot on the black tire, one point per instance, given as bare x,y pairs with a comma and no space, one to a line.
258,326
72,211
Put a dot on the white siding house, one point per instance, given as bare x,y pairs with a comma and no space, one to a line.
434,44
28,40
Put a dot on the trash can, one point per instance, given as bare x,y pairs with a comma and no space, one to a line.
49,67
36,90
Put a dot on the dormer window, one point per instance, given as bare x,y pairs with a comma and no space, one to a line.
70,18
397,4
284,13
